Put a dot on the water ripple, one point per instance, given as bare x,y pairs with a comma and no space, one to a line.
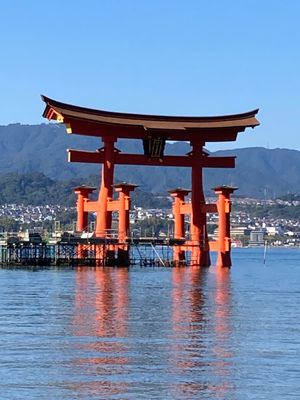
153,333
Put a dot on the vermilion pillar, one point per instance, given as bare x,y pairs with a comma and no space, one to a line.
123,208
200,246
105,193
179,233
224,208
124,190
83,193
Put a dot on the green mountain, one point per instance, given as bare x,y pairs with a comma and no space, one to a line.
42,148
37,189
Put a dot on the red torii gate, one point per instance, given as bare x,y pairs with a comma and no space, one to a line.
154,130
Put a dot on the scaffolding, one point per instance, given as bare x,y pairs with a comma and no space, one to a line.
73,251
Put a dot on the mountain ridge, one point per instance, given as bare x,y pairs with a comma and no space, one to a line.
259,172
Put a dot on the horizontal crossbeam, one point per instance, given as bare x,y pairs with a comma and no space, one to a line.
140,159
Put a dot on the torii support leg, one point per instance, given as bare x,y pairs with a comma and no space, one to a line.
200,246
123,253
82,222
224,241
179,233
83,193
82,216
106,190
123,203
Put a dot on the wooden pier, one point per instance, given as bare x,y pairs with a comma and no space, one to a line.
73,251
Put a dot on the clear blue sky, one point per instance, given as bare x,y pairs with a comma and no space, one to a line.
188,57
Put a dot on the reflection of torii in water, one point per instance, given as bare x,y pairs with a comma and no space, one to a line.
201,332
101,319
154,130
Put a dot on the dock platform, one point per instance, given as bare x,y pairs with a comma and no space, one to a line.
75,251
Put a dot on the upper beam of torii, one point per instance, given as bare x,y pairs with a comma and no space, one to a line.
106,124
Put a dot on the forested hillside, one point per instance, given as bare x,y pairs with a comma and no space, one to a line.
37,189
42,148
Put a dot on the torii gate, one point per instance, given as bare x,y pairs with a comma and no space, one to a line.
154,130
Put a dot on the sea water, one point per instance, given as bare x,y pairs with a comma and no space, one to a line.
153,333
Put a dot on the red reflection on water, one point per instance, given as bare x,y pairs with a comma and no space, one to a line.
101,315
187,319
222,316
222,301
102,388
222,330
192,320
187,298
101,302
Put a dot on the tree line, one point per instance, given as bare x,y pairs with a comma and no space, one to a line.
37,189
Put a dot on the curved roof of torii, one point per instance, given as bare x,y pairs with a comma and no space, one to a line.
70,114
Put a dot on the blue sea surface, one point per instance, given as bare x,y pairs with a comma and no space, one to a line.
153,333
